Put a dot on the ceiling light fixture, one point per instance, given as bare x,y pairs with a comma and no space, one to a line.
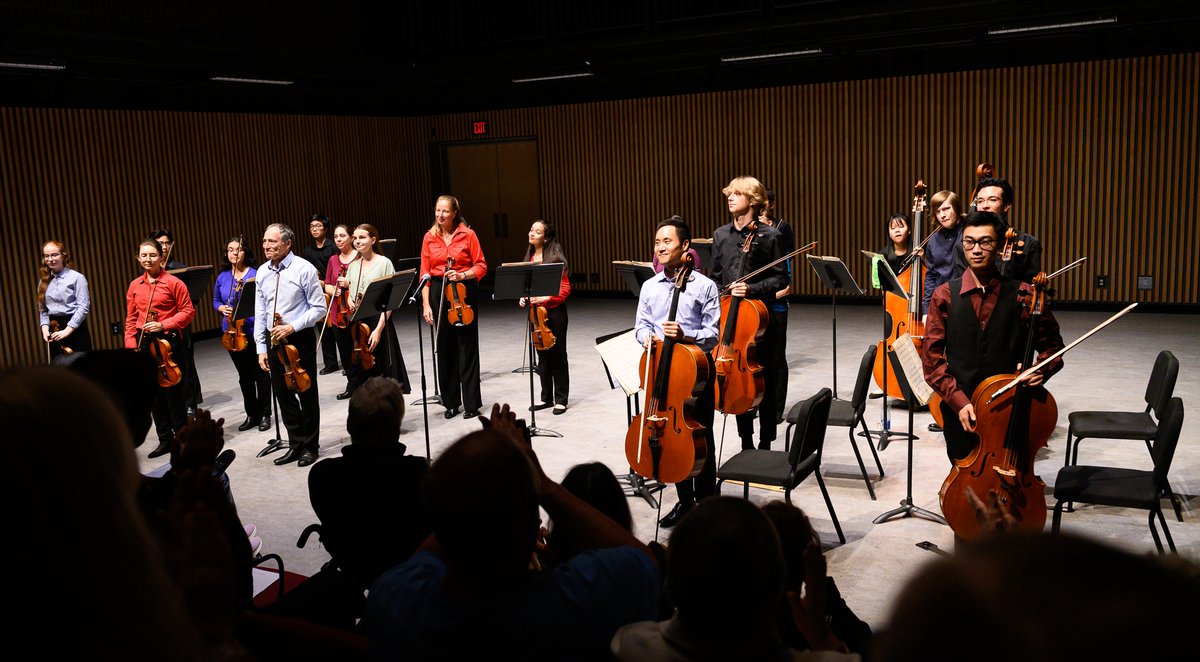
257,81
772,56
1054,26
538,79
33,65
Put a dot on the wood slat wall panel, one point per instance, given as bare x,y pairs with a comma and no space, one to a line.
1103,156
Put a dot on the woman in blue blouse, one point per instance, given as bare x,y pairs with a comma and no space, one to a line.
63,300
254,382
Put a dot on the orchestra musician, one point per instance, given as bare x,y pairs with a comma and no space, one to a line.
552,367
337,265
779,308
192,395
941,248
227,294
695,322
457,346
997,195
63,299
164,295
371,266
900,242
290,287
977,327
319,254
745,198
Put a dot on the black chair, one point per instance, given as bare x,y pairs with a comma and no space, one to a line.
1126,488
787,469
850,414
1133,425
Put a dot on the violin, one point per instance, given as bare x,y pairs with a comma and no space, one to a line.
666,443
1012,424
543,338
740,383
294,376
360,332
169,373
342,320
902,315
460,313
234,339
54,328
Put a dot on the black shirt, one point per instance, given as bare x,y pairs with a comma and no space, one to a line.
319,257
766,247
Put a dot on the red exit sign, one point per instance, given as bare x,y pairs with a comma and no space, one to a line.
479,127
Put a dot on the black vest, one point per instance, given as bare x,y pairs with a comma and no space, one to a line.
974,354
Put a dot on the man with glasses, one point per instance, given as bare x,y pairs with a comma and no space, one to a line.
977,327
192,393
996,195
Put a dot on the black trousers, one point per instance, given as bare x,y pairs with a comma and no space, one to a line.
345,346
552,364
778,361
704,484
170,405
300,412
329,346
458,364
80,339
253,382
389,362
959,442
765,412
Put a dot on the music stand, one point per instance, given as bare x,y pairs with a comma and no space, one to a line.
634,484
703,247
387,248
907,507
889,283
834,276
524,280
195,278
633,274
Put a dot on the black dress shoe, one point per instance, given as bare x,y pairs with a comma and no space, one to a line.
345,395
470,413
249,423
450,413
264,424
541,405
290,456
934,427
329,370
307,457
160,450
676,514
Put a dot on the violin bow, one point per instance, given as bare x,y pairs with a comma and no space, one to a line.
758,271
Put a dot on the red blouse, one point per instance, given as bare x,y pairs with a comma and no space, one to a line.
171,301
463,247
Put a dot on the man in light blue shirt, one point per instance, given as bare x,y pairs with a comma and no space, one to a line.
696,322
290,287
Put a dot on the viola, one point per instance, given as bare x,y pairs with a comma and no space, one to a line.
295,377
543,338
54,328
168,371
1011,425
460,313
360,333
234,339
740,383
666,443
902,315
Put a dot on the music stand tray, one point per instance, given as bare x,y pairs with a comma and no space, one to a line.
518,280
384,295
195,278
633,274
245,297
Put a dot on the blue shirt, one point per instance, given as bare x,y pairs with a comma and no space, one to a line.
698,314
301,301
66,294
223,295
939,262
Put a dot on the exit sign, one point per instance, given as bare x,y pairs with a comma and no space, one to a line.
479,127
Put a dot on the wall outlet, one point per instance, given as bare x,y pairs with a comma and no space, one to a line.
595,278
1101,282
1145,282
115,328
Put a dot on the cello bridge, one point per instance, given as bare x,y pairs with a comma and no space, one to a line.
1007,473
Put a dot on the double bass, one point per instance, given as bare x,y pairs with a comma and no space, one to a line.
1012,424
665,442
901,315
739,385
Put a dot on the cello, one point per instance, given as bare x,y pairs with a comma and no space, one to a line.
666,443
460,313
903,316
234,338
740,384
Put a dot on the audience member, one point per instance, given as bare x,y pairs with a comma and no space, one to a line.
468,591
128,377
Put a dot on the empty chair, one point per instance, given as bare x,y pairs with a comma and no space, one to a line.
1126,488
849,414
787,469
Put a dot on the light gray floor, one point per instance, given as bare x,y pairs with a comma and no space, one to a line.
1107,372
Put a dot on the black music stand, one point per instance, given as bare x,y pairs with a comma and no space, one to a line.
524,280
889,283
634,484
703,247
907,507
387,248
834,275
633,274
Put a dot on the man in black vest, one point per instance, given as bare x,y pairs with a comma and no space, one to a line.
977,327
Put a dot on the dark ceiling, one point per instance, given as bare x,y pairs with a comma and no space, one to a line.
435,56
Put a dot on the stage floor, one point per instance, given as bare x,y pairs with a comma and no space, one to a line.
1107,372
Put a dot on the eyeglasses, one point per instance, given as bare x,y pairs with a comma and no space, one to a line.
316,225
987,243
991,200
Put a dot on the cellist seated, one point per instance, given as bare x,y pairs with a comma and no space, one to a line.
978,327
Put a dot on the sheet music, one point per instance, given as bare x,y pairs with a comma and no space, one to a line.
910,361
622,355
